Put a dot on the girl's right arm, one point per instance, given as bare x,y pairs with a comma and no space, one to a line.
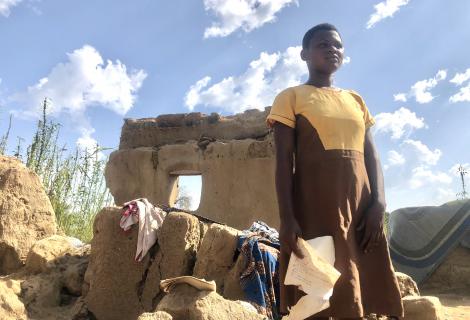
284,139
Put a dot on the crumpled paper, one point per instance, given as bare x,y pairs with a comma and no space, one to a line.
314,274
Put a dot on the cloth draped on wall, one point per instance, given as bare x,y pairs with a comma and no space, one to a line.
422,237
149,218
260,277
264,230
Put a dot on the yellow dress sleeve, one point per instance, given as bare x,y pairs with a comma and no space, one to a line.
283,109
368,119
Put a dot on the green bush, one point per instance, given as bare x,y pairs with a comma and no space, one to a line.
74,181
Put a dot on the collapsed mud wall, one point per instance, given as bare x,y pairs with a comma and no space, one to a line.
26,214
234,156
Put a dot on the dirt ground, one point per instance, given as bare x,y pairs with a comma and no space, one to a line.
456,305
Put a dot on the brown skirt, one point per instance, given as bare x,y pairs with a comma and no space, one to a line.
331,193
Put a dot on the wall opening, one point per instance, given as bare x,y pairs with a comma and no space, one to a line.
188,191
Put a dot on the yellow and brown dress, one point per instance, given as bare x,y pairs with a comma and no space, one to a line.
331,193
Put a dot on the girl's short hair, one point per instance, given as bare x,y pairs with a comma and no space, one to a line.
311,32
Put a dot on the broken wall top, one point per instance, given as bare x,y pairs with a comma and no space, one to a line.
182,127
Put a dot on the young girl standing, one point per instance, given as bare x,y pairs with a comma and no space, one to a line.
329,181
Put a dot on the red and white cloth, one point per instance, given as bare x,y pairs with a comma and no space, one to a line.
149,217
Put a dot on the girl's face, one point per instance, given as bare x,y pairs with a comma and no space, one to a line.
325,52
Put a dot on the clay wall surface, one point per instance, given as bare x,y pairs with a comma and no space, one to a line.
177,128
234,156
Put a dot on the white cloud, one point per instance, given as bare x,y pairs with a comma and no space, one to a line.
429,193
422,176
245,14
346,60
385,9
6,5
255,88
464,92
462,96
460,78
83,81
454,170
424,154
400,97
395,158
86,141
420,182
445,194
420,90
399,123
193,97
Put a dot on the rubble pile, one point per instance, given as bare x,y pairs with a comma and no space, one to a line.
44,275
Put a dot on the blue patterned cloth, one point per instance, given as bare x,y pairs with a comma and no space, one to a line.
260,278
264,230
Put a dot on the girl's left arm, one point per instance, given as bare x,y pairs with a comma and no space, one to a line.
371,224
374,171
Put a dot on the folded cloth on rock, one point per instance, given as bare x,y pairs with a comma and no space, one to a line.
201,284
314,274
420,238
260,276
149,217
264,230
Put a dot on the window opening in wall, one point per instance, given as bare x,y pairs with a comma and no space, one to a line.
189,192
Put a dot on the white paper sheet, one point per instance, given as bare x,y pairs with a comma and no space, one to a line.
314,274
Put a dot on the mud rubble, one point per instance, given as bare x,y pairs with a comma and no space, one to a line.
102,280
45,275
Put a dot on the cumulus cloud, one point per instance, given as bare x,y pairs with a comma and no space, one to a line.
385,9
422,176
400,97
454,170
6,5
395,158
464,92
86,141
193,96
83,81
462,96
424,155
421,89
460,78
399,123
418,176
241,14
412,174
255,88
420,170
426,192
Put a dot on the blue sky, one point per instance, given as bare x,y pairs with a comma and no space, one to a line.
102,61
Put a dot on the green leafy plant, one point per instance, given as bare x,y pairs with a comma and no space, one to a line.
4,138
73,180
